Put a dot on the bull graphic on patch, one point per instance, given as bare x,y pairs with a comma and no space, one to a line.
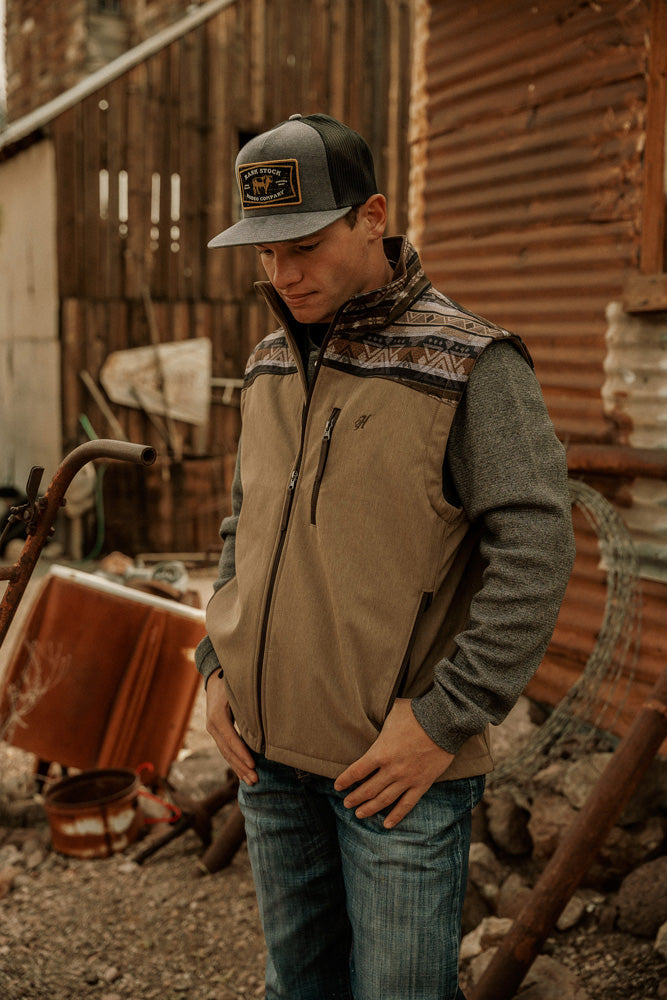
275,182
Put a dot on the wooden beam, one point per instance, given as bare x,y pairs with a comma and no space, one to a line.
653,211
645,293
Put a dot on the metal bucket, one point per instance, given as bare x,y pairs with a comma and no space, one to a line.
95,813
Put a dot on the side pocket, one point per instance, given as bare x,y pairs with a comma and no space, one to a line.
321,465
399,685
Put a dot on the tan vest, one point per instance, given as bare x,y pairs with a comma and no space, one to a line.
353,573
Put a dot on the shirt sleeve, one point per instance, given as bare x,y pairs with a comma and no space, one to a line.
206,658
509,474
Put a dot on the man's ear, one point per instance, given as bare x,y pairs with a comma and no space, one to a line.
374,213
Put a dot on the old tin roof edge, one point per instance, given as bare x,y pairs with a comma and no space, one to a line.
36,119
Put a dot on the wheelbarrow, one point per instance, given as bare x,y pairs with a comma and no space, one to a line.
38,514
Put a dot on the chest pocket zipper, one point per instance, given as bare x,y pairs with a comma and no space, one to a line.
321,465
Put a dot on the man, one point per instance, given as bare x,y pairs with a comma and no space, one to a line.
390,578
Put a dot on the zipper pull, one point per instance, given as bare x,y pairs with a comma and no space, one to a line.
289,497
324,454
328,428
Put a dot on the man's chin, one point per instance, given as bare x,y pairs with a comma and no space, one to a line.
309,313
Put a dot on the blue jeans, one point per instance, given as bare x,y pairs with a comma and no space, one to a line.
352,911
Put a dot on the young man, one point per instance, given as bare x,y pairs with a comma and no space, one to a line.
390,578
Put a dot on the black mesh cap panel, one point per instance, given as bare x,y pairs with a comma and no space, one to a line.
350,160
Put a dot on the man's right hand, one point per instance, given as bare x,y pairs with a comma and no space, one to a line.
220,725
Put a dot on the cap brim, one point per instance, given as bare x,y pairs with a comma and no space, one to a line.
276,228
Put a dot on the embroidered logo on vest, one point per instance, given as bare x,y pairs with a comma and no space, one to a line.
361,421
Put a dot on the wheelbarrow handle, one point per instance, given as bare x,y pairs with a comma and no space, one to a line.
46,508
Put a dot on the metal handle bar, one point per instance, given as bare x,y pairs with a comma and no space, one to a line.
45,509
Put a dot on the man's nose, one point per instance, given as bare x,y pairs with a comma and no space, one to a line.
286,272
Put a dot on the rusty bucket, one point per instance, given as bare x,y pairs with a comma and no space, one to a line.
95,813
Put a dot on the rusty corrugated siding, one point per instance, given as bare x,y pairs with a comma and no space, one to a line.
531,200
528,128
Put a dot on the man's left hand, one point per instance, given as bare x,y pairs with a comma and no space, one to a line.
399,768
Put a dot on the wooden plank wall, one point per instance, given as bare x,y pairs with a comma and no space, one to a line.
145,179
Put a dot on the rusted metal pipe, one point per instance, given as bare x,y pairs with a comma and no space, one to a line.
226,844
617,460
46,509
577,849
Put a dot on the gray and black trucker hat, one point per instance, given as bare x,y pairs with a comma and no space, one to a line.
297,178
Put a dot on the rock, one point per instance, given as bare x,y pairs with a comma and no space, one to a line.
642,899
581,777
625,849
550,778
650,797
572,913
508,823
9,855
661,940
485,871
606,915
550,818
513,895
479,963
7,879
514,732
34,852
490,932
547,979
199,773
475,909
128,868
34,859
25,812
479,825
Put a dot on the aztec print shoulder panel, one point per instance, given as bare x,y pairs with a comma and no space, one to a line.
432,347
272,356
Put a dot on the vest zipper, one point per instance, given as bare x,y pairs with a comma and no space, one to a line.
321,465
284,520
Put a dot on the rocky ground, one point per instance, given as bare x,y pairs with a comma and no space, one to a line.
110,928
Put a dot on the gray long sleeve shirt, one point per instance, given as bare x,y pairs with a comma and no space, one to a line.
510,476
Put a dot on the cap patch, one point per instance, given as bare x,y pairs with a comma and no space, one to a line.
275,182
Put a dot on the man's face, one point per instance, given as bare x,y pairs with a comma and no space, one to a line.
315,275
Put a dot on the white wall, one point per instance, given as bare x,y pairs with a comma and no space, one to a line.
30,415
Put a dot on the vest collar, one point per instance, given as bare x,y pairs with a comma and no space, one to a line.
375,309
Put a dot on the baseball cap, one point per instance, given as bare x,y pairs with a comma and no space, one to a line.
297,178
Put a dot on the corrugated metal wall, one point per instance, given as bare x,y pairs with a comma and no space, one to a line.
532,200
528,130
145,178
